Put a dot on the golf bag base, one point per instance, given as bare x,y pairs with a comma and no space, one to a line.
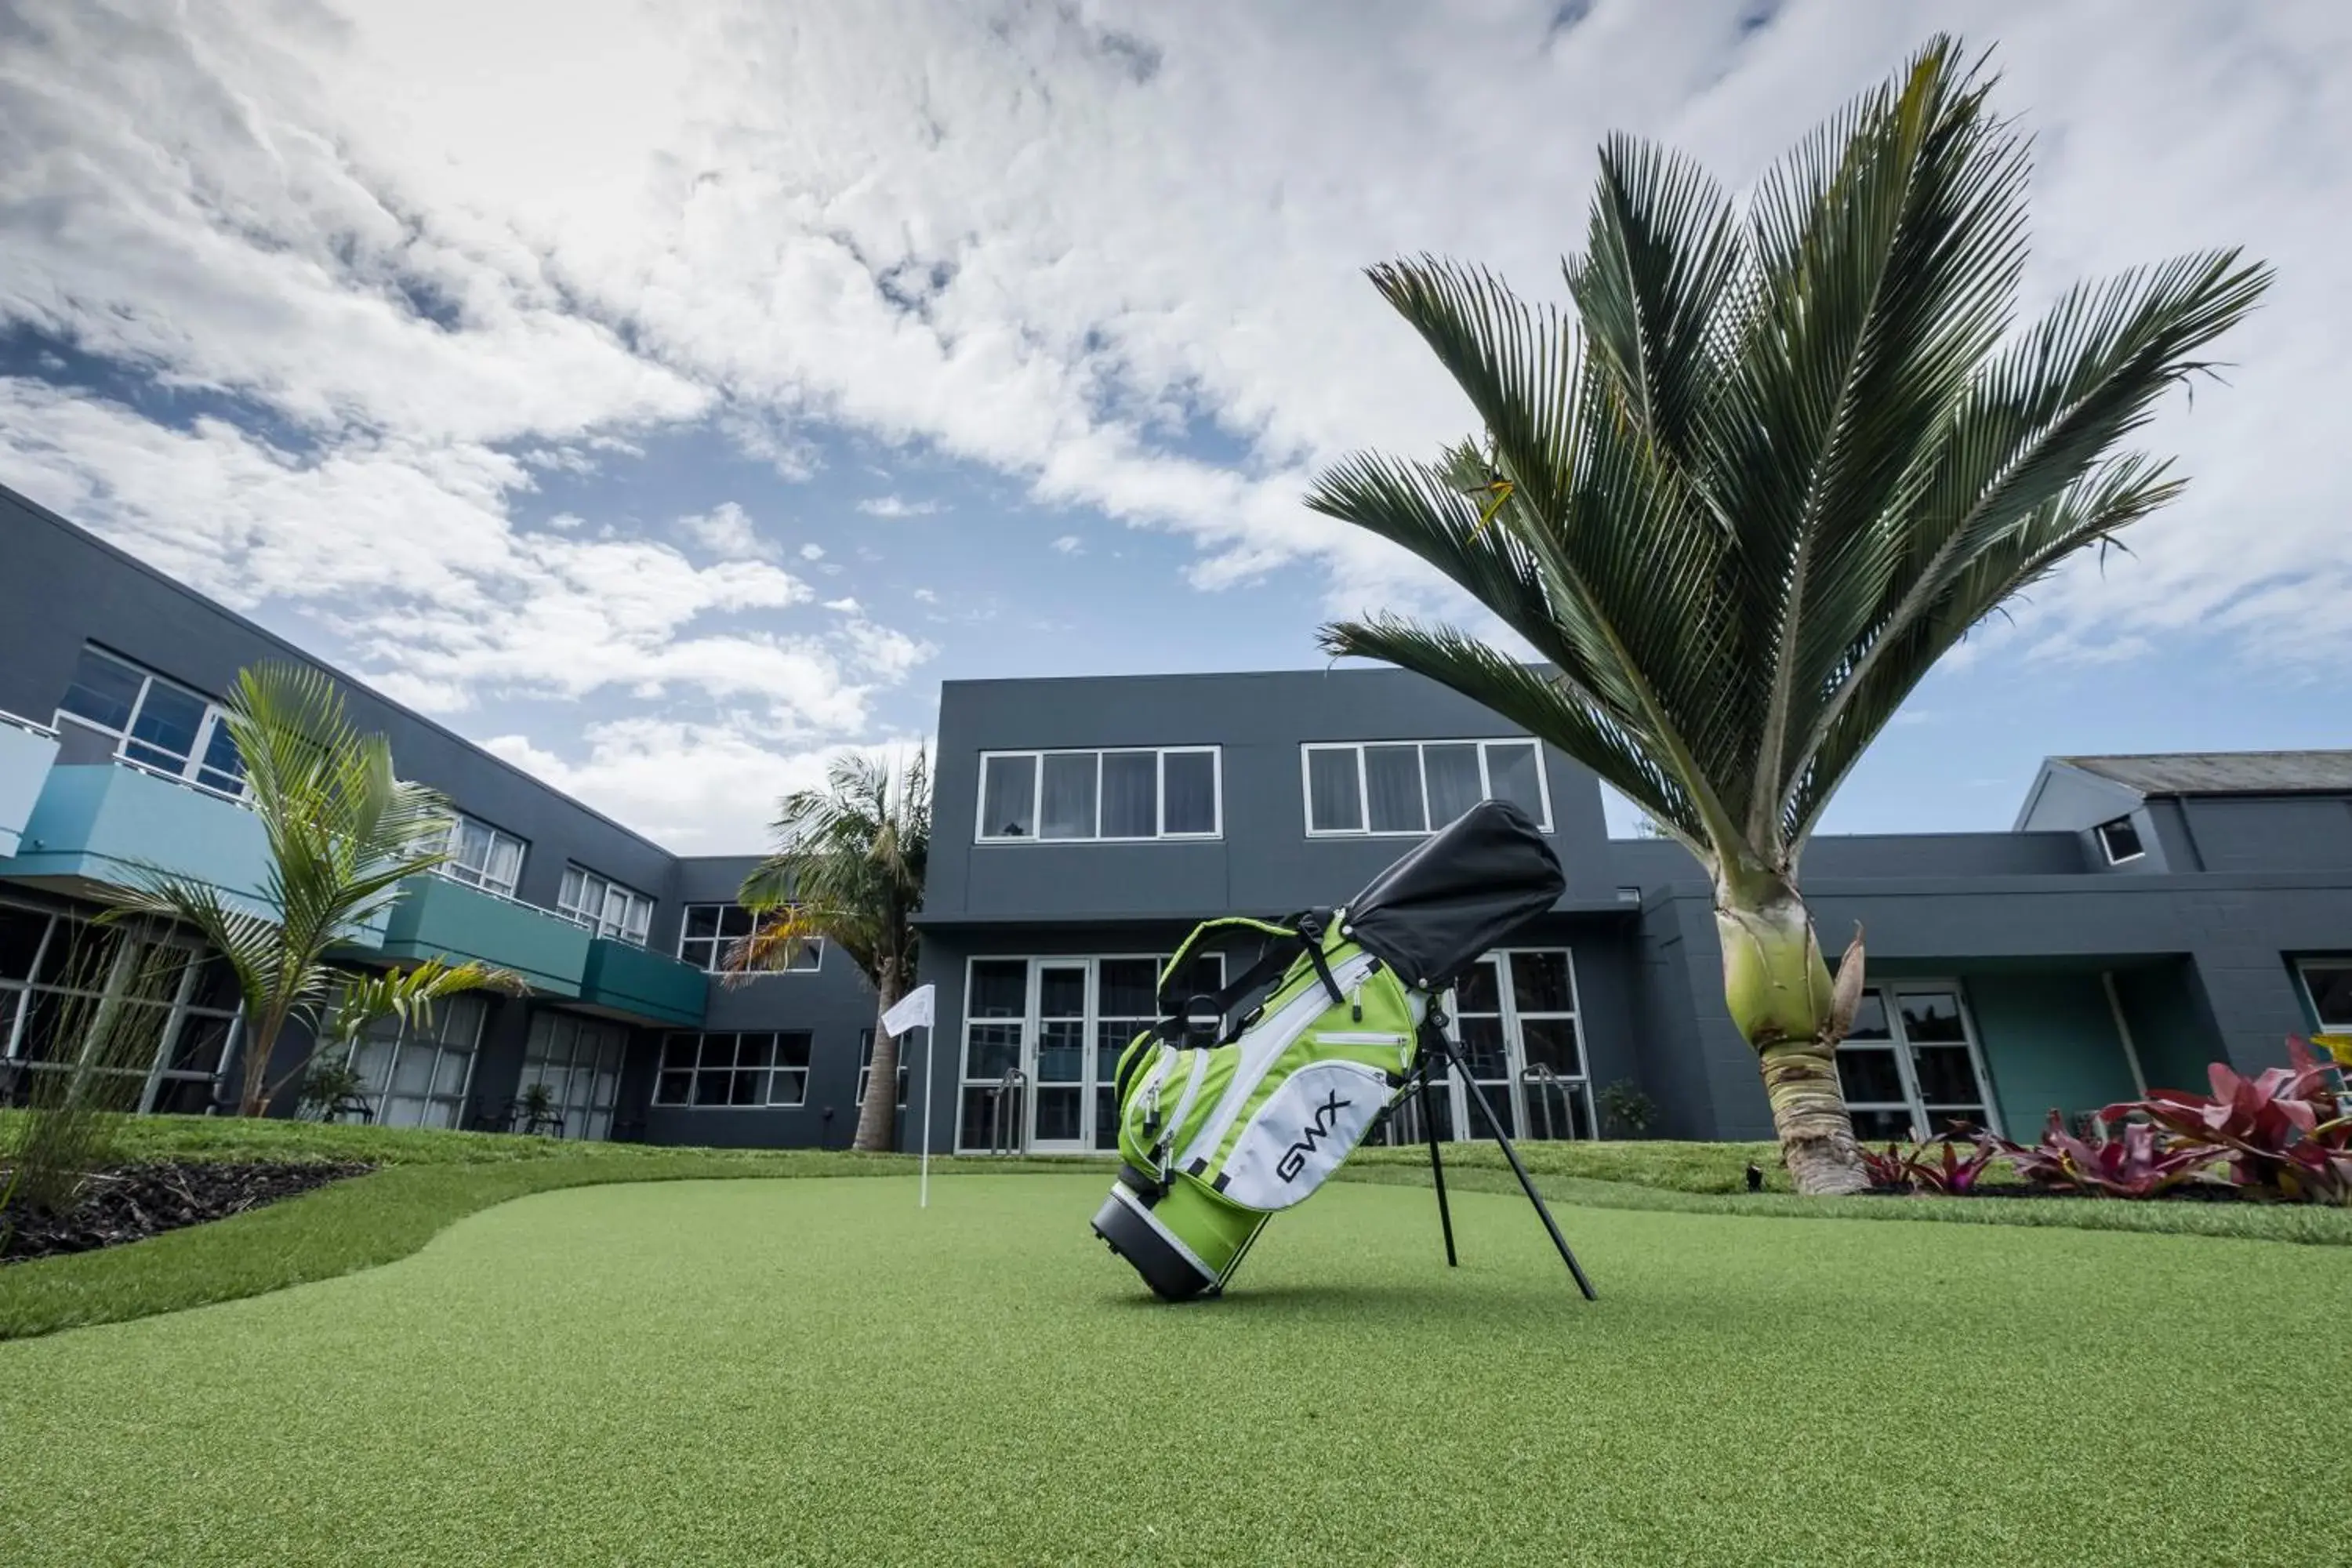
1173,1269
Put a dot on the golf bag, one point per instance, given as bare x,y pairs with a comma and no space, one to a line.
1223,1124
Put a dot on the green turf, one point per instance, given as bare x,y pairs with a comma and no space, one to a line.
430,1179
434,1178
814,1372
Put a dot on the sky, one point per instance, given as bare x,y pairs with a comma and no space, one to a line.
667,403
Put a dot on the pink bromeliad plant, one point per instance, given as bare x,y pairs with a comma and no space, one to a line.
2286,1131
2137,1165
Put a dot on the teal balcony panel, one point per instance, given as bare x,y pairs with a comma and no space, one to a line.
101,822
647,985
25,754
437,918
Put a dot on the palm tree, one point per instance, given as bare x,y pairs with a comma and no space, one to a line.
848,869
343,832
1770,466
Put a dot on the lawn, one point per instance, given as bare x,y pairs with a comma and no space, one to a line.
816,1371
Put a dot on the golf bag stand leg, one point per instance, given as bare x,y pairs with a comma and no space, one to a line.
1436,1163
1527,1183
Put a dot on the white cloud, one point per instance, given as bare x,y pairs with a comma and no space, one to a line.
696,788
466,603
727,531
897,506
1111,251
1070,544
812,552
847,606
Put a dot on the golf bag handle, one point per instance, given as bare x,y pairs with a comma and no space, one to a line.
1304,934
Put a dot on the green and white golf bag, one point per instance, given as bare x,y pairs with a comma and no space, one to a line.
1223,1123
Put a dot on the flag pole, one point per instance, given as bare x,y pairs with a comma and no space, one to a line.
925,1202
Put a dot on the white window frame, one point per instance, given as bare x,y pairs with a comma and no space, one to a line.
811,950
466,874
1216,755
694,1074
192,770
182,1011
1363,782
2303,968
1889,993
1028,1024
865,1068
579,1059
436,1039
629,931
2108,849
1405,1127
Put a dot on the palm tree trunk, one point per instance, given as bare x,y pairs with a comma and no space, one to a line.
260,1044
1785,1003
877,1114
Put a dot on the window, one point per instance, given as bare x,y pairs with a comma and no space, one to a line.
1910,1066
1514,1018
866,1069
734,1070
175,1028
1062,1024
2120,840
2327,982
1417,786
710,930
1167,793
161,727
481,857
603,906
419,1073
579,1061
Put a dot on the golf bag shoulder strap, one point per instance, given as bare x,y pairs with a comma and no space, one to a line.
1301,936
1180,1020
1171,998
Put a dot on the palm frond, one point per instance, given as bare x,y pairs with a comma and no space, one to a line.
1539,702
848,868
1781,459
1657,290
248,942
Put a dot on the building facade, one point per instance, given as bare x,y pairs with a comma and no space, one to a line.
112,757
2143,916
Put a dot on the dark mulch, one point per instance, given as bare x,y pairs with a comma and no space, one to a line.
134,1202
2194,1193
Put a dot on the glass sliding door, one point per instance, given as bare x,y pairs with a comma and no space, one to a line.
419,1075
1514,1019
579,1062
1057,1123
1061,1024
1910,1065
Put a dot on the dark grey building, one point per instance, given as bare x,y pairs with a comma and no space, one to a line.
2144,916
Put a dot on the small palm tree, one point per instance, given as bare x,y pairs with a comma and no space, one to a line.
848,870
343,832
1773,466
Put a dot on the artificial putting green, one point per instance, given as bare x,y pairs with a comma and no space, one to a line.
815,1371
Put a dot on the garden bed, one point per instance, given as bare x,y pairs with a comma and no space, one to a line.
131,1203
2193,1193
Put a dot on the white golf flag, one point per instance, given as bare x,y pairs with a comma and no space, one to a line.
914,1008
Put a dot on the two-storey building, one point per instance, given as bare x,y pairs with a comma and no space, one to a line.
2143,915
113,756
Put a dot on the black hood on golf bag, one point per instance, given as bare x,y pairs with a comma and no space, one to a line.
1457,893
